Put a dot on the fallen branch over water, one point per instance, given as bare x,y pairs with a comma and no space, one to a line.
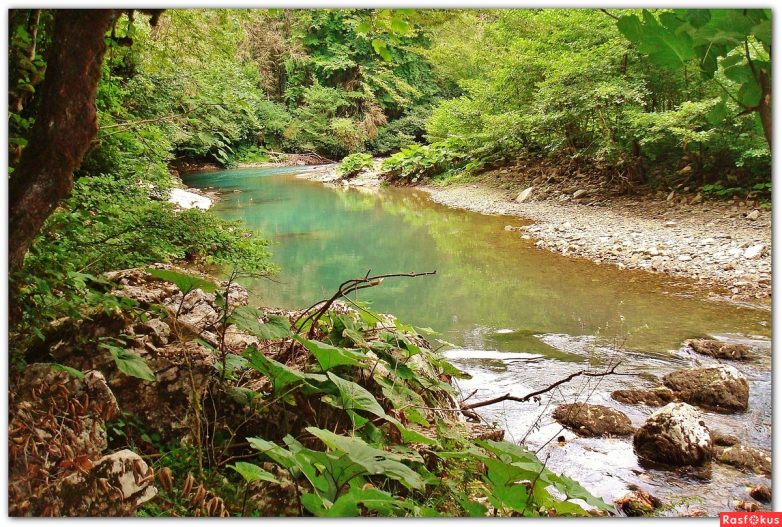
524,399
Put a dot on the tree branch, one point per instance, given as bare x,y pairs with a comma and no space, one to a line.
524,399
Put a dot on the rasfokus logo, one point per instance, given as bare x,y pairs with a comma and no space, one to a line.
751,519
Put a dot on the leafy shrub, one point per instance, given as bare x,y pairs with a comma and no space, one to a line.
355,164
416,162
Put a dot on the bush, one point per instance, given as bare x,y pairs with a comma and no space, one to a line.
416,162
355,164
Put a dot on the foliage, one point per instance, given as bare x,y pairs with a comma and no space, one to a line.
567,83
355,164
366,464
714,39
415,162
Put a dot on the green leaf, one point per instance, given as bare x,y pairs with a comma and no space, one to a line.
247,318
399,25
329,356
129,363
356,397
185,282
284,378
749,94
717,114
252,473
381,48
363,27
73,372
373,460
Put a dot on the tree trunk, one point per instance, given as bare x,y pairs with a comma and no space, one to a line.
65,124
764,108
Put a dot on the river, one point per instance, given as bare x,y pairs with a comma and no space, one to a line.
518,317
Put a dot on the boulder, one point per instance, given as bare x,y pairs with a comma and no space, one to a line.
745,458
753,215
524,195
674,435
762,493
721,388
591,420
117,485
719,350
656,397
57,433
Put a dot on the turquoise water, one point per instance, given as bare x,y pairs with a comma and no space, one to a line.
492,290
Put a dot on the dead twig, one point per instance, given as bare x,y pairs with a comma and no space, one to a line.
524,399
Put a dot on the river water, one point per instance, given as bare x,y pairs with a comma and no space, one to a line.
519,317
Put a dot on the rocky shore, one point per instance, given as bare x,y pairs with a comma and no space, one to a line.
712,242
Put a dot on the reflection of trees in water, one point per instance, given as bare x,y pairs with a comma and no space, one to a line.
486,276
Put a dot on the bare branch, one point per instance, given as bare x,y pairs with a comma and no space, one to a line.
524,399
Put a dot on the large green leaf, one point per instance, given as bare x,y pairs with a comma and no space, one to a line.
251,472
329,356
185,282
373,460
662,43
355,397
248,319
284,378
129,363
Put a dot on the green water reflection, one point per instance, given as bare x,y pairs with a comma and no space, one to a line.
487,279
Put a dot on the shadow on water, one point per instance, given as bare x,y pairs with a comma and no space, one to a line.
520,317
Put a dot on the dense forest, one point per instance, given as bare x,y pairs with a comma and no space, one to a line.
106,106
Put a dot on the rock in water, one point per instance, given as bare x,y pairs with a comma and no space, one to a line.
638,503
524,195
656,397
591,420
762,493
721,388
674,435
719,350
745,458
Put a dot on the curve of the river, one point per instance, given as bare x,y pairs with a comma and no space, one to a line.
519,317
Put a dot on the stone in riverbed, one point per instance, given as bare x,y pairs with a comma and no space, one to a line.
752,216
754,251
637,503
524,195
722,388
745,458
591,420
657,397
762,493
674,435
719,350
718,438
580,193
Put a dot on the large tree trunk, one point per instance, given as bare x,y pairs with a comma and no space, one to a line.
65,124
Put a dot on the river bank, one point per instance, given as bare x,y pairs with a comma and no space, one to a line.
725,246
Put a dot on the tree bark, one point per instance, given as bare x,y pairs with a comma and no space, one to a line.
65,124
